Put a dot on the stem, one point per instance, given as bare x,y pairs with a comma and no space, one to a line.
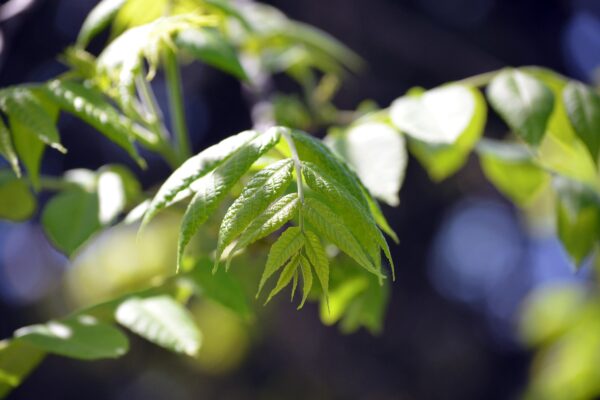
298,167
480,79
174,88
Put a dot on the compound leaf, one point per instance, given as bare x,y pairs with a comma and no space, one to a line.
286,247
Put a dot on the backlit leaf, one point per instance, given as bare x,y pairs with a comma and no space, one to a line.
583,108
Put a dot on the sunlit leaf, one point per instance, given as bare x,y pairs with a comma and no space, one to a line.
163,321
285,248
7,149
212,189
211,47
81,337
523,102
98,19
378,155
511,168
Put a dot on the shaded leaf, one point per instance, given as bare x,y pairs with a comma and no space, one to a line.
81,337
162,321
318,258
17,203
285,277
7,150
578,215
17,360
70,218
583,108
307,279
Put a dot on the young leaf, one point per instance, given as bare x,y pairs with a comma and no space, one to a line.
273,218
98,19
286,276
349,211
81,337
263,188
578,214
378,155
213,188
437,117
91,107
29,148
24,106
17,360
195,168
7,149
318,258
210,46
17,203
583,108
523,102
511,168
286,247
70,218
312,150
220,287
307,279
162,321
327,223
116,187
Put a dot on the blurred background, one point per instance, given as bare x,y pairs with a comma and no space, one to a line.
467,259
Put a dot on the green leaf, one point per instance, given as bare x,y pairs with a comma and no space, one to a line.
98,19
273,218
358,220
313,150
24,106
17,360
7,149
286,247
266,186
578,215
285,277
213,188
438,117
443,160
162,321
210,46
16,201
81,337
583,108
307,279
378,155
116,187
523,102
70,218
318,258
511,168
341,297
92,108
327,223
193,169
29,148
220,287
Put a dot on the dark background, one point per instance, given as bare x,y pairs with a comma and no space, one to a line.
465,261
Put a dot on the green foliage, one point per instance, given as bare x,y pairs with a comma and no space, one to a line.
82,337
17,203
162,321
583,107
523,102
17,360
